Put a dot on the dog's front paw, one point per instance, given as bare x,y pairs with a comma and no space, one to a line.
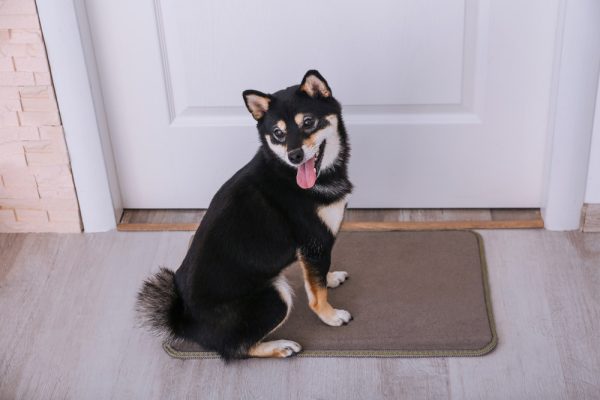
336,278
336,317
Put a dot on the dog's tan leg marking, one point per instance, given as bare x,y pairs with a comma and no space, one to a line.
317,298
275,349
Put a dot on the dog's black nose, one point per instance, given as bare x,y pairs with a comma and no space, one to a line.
296,156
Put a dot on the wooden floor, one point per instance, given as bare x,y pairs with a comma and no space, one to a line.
67,329
358,219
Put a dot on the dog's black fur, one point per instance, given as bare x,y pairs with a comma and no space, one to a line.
223,296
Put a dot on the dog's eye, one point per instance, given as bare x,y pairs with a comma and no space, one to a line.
278,134
308,122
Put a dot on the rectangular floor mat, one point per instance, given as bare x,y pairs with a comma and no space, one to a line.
412,294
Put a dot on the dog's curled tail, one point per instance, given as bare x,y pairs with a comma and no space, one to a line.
159,305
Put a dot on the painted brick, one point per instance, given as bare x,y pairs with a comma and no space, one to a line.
54,134
38,118
41,204
22,49
53,192
10,105
11,134
25,226
13,160
42,78
19,192
52,176
19,21
47,158
31,64
18,177
9,92
34,92
39,104
51,133
37,193
45,146
60,145
12,7
7,215
64,227
24,36
11,148
9,118
16,78
39,146
28,133
63,216
6,64
27,215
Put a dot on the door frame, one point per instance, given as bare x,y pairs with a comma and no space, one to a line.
576,69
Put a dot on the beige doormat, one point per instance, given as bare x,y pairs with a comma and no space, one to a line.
412,294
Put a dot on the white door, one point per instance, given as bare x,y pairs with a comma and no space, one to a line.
446,101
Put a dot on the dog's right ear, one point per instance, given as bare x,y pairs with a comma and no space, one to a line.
257,103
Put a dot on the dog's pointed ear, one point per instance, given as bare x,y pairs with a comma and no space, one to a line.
257,103
313,84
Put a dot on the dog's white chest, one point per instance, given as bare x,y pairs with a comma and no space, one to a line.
332,215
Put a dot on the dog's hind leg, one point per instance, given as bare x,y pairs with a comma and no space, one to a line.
256,318
278,348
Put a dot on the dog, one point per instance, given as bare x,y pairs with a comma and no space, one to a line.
285,205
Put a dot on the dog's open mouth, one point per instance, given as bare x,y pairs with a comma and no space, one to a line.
307,173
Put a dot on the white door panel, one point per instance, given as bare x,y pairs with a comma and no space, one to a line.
445,102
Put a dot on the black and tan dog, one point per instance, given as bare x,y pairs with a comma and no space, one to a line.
285,205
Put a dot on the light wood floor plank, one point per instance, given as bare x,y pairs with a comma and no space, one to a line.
526,364
572,282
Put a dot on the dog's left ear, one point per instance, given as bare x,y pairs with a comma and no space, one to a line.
313,84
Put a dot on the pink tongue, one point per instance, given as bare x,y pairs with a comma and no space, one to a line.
306,176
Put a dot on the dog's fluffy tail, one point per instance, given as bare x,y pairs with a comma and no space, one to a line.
159,305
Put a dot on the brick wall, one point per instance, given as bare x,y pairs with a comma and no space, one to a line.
37,193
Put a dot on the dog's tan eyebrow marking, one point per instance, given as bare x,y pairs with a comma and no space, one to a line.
332,118
299,118
281,125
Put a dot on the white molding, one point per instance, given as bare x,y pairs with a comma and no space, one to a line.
353,115
80,109
164,55
592,192
576,69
